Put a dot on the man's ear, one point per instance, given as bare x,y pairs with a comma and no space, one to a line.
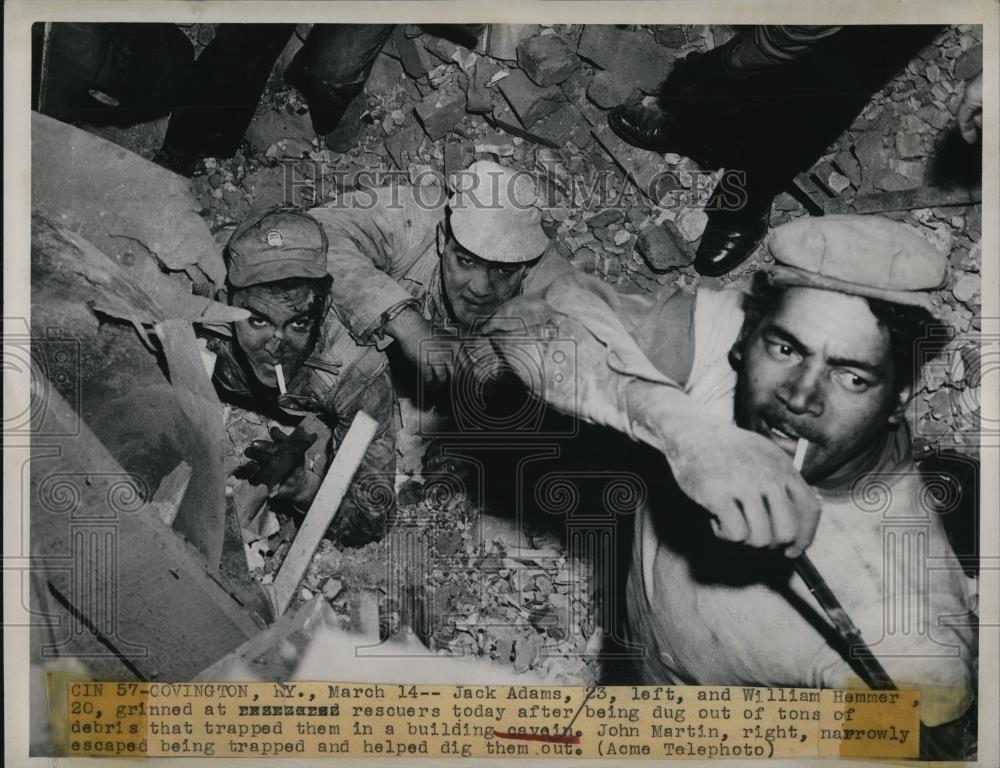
442,238
902,400
736,352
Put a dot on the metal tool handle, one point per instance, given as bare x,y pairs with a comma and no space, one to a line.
858,655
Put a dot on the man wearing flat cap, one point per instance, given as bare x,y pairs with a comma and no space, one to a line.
729,387
276,269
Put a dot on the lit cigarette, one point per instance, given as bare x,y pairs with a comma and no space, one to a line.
800,453
281,379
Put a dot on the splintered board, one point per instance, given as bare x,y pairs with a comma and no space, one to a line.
120,588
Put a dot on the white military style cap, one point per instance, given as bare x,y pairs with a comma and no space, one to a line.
495,214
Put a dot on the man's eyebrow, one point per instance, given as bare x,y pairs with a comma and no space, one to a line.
840,362
255,311
861,365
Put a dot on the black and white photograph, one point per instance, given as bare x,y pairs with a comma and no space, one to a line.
557,353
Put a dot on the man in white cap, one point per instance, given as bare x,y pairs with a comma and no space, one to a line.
423,267
409,260
820,356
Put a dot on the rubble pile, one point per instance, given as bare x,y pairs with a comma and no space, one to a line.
536,98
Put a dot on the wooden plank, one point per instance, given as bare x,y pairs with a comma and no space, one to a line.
322,510
263,652
115,571
168,497
201,516
908,199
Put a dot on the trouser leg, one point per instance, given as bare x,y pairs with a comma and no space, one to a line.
796,112
332,67
229,78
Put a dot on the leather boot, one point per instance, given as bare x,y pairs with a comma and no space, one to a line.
335,110
728,241
642,127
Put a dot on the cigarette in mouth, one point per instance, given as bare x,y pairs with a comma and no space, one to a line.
800,453
281,379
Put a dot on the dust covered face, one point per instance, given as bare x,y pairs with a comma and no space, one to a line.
282,328
819,367
476,288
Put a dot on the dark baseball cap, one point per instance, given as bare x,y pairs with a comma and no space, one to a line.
274,245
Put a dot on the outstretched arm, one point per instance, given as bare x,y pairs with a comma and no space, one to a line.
748,485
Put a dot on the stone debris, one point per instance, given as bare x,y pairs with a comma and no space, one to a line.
629,217
634,55
440,112
269,127
662,247
530,102
607,90
546,60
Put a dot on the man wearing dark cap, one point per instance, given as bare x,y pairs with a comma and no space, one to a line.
818,357
293,340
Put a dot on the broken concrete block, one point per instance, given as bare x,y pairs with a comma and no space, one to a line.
575,88
458,155
385,74
608,90
605,218
938,119
415,59
909,145
439,112
868,148
402,146
669,35
848,164
633,55
970,63
496,143
479,99
837,182
269,127
967,288
558,126
581,136
502,39
546,60
443,49
528,101
660,246
692,223
895,182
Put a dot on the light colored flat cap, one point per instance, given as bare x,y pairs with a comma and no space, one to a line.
861,255
495,214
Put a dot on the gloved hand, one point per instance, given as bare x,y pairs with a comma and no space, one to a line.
279,463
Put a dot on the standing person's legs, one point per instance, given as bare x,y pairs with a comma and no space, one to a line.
228,80
331,70
789,117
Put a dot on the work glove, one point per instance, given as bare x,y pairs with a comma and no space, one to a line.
279,463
